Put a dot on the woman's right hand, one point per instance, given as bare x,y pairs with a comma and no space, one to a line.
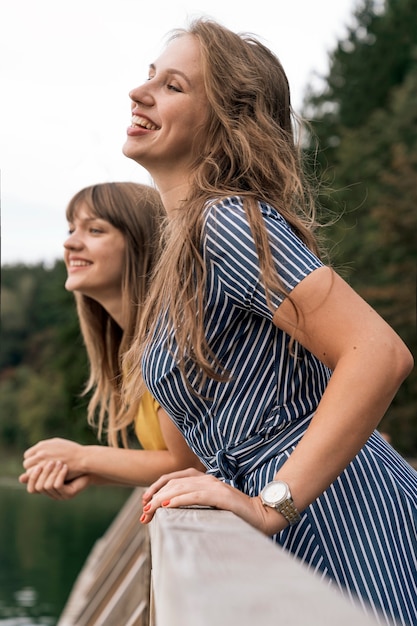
189,488
68,452
51,479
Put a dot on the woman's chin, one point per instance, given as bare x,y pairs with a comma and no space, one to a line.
128,149
71,284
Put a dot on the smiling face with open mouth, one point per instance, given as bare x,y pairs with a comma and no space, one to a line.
94,256
167,111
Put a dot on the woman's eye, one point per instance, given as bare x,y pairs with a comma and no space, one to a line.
95,231
173,88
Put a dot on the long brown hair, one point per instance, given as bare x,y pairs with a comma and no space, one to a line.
247,148
136,211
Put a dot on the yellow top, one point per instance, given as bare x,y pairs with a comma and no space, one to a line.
147,427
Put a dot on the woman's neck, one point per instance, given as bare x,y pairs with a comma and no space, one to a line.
114,308
172,193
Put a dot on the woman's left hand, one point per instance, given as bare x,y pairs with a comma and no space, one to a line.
51,479
193,488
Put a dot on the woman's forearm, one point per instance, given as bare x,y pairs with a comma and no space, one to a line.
358,394
130,467
369,362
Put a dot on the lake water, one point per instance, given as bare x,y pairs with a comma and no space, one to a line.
43,546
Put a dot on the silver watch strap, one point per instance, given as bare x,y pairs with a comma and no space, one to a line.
290,512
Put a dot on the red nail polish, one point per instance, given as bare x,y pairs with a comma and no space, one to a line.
147,507
166,502
142,518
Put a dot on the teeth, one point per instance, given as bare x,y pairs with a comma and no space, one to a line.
143,123
79,263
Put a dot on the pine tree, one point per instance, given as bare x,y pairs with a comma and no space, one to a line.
365,122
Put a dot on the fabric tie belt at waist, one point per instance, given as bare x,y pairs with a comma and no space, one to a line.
232,462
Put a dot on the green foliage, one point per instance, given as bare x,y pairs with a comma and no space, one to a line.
365,122
375,58
43,364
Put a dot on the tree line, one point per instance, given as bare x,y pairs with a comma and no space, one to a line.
43,364
362,147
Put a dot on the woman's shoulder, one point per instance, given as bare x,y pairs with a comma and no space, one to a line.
233,206
230,237
227,216
225,224
147,427
222,206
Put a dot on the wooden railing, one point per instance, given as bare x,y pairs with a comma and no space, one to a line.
211,568
207,568
113,588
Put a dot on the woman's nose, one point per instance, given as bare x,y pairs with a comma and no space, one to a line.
142,94
73,242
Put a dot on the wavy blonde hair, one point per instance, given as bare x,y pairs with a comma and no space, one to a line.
247,148
137,212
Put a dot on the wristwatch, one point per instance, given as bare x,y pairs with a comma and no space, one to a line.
277,495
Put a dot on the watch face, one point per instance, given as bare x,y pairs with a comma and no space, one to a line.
274,493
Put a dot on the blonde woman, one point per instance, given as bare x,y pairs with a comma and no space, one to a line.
274,369
113,245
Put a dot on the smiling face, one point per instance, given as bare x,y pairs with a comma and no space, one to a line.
94,256
167,112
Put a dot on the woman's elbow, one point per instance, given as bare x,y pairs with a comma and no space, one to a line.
401,361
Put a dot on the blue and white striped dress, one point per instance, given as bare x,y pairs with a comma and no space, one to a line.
360,533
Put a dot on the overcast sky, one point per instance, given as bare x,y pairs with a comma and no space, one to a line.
66,70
